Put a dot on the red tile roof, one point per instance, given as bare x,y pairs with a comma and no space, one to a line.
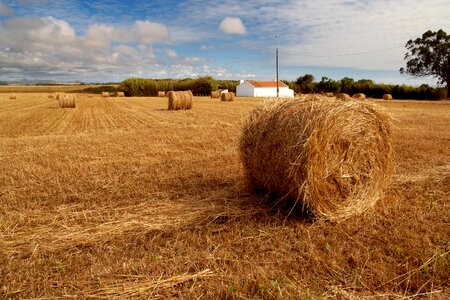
268,84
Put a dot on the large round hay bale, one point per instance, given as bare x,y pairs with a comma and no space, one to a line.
215,94
161,93
105,94
12,96
331,157
329,94
180,100
343,96
59,95
359,96
387,97
67,101
227,97
120,94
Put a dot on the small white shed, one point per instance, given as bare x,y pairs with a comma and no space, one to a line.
253,88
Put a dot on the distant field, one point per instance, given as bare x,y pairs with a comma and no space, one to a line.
121,198
42,88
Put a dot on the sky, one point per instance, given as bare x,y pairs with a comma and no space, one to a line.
112,40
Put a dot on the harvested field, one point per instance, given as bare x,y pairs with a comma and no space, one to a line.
124,199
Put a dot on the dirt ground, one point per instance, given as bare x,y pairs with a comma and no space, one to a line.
120,198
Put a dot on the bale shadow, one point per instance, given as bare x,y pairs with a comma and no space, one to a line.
234,199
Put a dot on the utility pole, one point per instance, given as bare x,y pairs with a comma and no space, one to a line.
278,89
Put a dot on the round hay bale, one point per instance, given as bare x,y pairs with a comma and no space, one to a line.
161,93
329,94
215,94
227,97
105,94
120,94
180,100
332,158
58,95
359,96
67,101
387,97
13,96
343,96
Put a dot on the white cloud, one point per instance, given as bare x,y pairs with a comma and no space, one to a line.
207,47
148,32
232,26
171,53
194,60
99,36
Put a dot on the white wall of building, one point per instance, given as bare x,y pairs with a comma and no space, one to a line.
247,90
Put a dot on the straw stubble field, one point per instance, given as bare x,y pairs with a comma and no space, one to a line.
119,197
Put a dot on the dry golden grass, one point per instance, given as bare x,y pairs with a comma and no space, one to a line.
124,199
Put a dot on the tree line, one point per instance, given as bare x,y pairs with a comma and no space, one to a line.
304,84
307,84
202,86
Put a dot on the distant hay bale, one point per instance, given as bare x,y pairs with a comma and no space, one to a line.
387,97
180,100
359,96
161,94
105,94
343,96
120,94
59,95
215,94
329,94
331,157
67,101
227,97
12,96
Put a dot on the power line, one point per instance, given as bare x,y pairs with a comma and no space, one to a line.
353,53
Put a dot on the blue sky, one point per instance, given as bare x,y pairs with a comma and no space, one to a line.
109,40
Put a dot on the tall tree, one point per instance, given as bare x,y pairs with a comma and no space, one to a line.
306,83
429,56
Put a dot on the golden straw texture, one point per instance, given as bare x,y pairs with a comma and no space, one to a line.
180,100
67,100
227,97
332,157
343,97
387,97
359,96
215,94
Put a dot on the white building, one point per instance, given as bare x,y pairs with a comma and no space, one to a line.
253,88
